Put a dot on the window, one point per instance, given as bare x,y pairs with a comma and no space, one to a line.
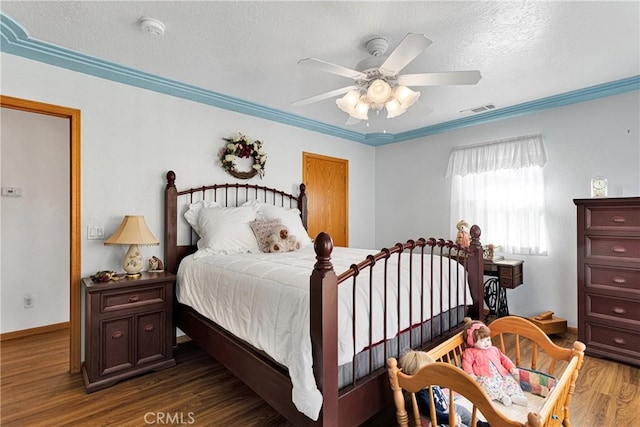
500,186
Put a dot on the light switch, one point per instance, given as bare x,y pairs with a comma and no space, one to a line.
95,233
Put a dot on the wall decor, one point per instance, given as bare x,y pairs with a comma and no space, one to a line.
241,146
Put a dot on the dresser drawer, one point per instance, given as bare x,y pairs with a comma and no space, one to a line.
612,218
606,341
611,308
120,300
613,248
612,278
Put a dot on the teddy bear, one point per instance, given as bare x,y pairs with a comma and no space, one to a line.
463,238
281,241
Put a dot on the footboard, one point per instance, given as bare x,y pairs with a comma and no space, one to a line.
527,345
433,276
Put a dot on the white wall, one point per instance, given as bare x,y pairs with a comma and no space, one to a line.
599,137
35,226
132,137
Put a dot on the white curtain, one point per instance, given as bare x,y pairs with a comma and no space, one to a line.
500,186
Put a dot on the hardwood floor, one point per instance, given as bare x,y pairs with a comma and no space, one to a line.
37,390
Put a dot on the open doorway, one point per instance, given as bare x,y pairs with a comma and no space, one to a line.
73,116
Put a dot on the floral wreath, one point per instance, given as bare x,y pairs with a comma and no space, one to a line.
243,147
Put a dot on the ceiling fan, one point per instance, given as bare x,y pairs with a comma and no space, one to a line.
378,85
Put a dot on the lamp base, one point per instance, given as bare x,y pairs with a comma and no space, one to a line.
133,275
132,262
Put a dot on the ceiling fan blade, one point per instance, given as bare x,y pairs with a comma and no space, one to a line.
332,68
322,96
411,46
469,77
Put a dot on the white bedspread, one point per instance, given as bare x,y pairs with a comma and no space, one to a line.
264,300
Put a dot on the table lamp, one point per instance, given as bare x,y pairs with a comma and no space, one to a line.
133,231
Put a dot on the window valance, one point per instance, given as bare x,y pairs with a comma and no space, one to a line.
512,153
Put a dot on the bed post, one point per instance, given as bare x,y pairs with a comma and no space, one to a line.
171,224
302,204
323,304
475,268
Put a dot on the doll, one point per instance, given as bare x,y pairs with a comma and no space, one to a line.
463,238
410,362
491,368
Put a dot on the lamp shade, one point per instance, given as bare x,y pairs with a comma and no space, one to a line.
132,231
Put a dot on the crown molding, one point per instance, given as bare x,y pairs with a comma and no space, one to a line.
14,40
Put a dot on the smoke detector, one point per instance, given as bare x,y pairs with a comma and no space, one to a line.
152,26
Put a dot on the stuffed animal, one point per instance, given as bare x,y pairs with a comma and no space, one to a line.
463,238
281,241
489,366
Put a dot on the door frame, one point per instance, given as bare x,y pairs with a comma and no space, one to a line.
73,115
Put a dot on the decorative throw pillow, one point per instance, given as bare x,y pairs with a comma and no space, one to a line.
227,230
535,382
262,231
290,218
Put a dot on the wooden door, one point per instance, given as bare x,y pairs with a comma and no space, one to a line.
327,181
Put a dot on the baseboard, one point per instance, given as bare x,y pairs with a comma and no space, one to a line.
572,330
34,331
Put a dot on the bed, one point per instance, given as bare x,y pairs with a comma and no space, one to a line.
547,406
345,358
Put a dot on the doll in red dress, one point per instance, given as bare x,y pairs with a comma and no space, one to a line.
490,367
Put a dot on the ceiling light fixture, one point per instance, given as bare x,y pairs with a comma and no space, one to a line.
152,26
375,94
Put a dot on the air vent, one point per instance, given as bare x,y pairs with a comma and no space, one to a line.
480,109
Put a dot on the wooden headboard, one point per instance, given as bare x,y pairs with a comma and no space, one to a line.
228,195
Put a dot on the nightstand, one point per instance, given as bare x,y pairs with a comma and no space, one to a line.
128,328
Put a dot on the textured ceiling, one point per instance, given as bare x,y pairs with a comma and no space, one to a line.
525,50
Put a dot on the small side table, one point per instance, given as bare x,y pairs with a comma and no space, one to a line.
128,329
505,274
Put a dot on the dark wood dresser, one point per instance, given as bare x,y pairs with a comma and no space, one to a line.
609,277
128,328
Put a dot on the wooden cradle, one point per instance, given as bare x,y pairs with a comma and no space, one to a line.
447,374
365,396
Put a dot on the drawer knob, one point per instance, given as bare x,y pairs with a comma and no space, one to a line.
619,249
619,310
618,219
619,341
134,298
117,334
619,280
149,328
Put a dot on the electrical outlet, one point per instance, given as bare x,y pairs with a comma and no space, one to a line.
28,301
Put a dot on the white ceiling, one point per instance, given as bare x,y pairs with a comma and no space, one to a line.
525,50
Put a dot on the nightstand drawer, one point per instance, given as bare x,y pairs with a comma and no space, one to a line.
120,300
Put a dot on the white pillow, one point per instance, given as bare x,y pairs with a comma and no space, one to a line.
191,215
227,230
289,217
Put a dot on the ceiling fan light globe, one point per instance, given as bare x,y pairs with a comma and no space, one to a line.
406,97
361,110
379,91
394,109
348,102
